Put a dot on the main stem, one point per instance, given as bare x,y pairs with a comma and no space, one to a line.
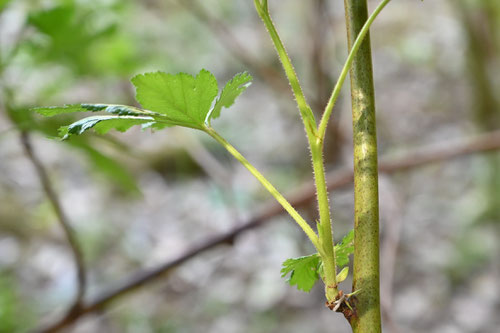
366,221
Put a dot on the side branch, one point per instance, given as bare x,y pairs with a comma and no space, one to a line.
304,108
62,218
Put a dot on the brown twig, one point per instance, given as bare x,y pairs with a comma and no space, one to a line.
300,197
62,218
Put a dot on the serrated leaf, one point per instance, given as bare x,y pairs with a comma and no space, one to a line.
342,275
120,110
304,271
238,84
344,249
103,124
185,100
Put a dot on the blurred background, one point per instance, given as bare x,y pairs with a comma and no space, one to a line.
139,200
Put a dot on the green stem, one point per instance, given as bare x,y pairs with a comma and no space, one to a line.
352,53
325,224
366,222
268,186
304,108
326,246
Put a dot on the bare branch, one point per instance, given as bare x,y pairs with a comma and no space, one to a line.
62,218
300,197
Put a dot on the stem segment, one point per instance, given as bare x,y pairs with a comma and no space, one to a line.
305,110
354,46
366,223
325,224
325,248
269,187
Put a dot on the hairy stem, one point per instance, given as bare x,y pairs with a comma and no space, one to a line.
268,186
326,247
366,223
325,224
304,108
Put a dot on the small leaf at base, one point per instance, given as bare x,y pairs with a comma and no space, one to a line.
344,249
343,274
304,271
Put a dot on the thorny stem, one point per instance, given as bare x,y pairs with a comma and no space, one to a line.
268,186
304,108
325,225
326,248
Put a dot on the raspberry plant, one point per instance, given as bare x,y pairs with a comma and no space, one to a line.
194,102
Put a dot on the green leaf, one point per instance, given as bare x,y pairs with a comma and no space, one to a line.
121,110
342,275
3,4
67,34
304,271
103,124
344,249
238,84
184,100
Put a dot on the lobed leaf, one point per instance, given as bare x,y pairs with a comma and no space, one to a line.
184,99
170,100
103,124
238,84
304,271
344,249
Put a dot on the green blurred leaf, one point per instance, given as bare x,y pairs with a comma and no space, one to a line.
15,315
67,33
238,84
3,4
106,165
304,271
185,100
344,249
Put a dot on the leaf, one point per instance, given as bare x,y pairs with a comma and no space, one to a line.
103,124
3,4
342,275
303,271
184,100
121,110
68,32
238,84
344,249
